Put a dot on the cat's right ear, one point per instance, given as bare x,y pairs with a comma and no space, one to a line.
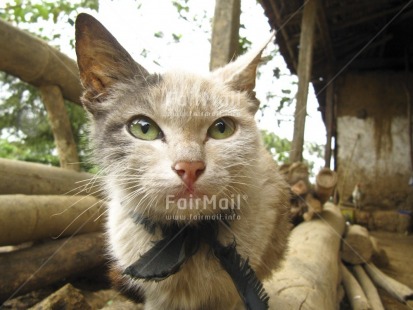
240,74
102,61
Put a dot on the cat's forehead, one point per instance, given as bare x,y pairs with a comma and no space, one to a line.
186,94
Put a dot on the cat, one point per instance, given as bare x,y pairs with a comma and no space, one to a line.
182,152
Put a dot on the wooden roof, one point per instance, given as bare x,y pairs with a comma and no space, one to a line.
350,35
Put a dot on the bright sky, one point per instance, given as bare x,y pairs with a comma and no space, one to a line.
135,22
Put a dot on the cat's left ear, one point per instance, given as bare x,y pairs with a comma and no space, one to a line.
102,61
240,74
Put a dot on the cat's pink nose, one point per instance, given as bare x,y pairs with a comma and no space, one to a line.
189,171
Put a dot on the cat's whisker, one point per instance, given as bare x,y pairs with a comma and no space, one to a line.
78,216
71,206
102,214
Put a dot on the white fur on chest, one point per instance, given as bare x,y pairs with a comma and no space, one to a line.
201,281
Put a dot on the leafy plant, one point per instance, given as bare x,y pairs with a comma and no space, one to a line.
25,133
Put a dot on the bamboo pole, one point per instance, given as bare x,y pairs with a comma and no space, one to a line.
19,177
305,59
396,289
368,287
354,292
28,218
35,62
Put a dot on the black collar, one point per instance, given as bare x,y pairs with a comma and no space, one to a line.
181,241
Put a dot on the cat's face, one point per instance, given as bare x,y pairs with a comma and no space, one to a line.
168,141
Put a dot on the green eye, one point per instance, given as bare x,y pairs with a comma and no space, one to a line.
222,128
144,128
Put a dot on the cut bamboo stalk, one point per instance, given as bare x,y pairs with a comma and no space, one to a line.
60,123
354,292
29,217
396,289
326,181
19,177
305,281
368,287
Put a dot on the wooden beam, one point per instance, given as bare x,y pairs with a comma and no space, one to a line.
329,118
35,62
323,27
376,62
305,58
61,127
283,32
325,34
225,32
368,18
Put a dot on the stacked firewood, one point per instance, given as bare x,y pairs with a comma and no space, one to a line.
360,254
49,230
307,199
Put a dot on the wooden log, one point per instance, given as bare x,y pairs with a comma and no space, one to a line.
396,289
354,292
67,297
305,281
19,177
28,218
35,62
356,246
368,288
61,127
36,267
379,257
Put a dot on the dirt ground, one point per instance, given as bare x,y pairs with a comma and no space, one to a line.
399,249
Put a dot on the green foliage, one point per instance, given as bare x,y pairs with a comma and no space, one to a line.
177,37
23,120
278,147
244,45
28,11
280,150
25,133
182,8
19,150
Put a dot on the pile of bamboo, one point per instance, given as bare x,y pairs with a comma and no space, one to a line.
350,254
308,199
360,254
50,223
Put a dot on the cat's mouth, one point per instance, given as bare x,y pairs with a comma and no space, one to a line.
189,193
